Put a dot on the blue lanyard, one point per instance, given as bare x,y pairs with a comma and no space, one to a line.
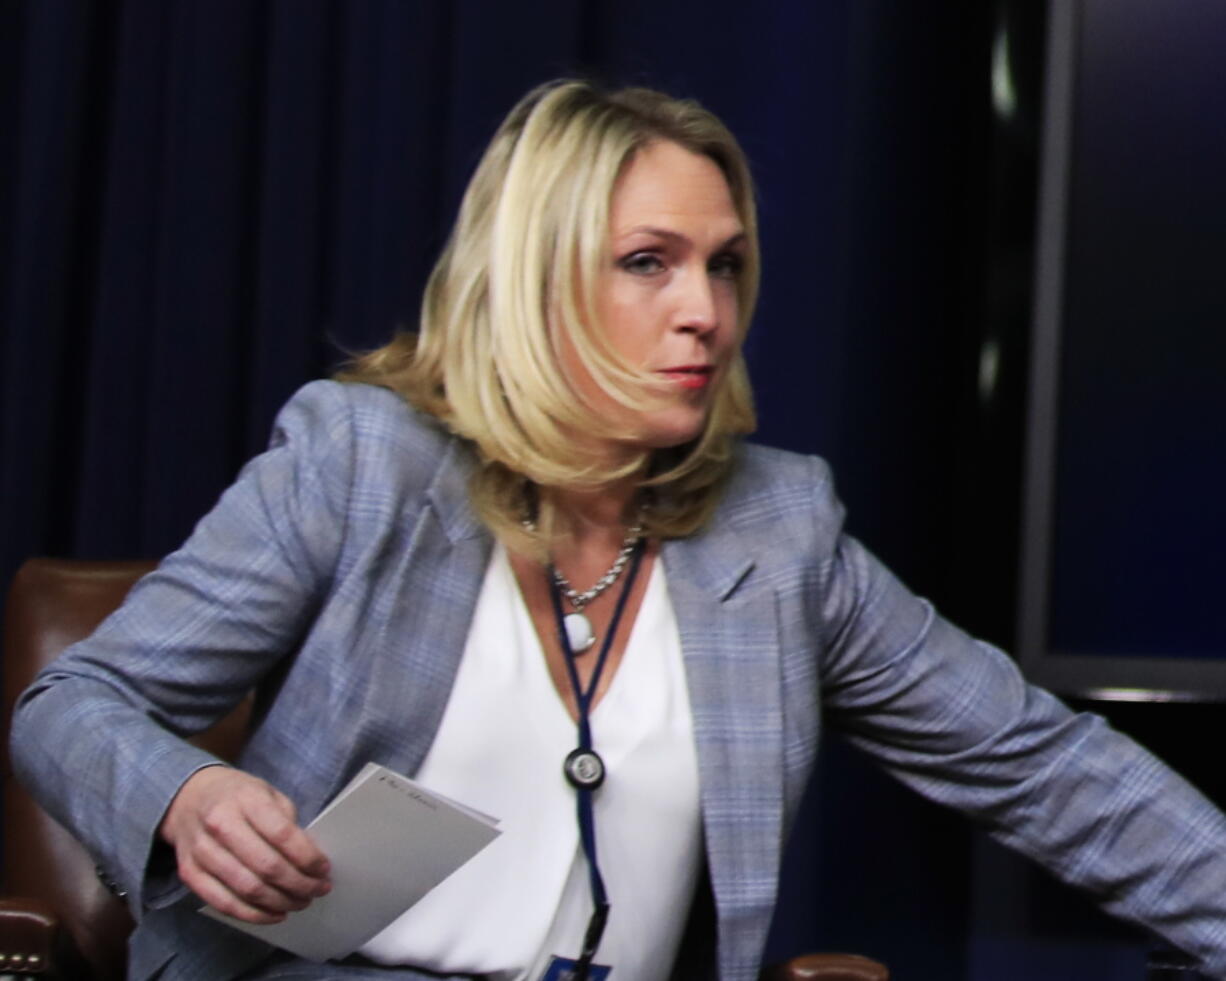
584,768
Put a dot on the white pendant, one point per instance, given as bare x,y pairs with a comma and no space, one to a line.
578,632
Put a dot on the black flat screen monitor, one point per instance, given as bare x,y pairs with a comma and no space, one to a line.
1123,586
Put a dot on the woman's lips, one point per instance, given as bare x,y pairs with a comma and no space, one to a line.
690,375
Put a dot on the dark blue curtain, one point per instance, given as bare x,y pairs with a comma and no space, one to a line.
205,203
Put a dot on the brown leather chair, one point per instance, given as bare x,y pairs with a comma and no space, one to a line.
67,924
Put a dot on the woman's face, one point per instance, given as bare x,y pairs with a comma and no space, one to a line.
667,297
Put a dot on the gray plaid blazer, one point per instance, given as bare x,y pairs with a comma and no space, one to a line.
339,574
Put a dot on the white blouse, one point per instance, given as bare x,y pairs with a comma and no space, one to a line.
499,749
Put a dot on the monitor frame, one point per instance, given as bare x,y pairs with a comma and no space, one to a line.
1106,677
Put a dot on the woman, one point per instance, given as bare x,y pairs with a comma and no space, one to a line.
523,558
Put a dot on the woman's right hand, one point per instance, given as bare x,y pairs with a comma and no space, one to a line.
239,847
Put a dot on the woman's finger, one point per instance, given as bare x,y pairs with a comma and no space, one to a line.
254,881
221,897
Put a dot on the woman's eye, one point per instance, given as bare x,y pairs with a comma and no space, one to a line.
642,263
727,265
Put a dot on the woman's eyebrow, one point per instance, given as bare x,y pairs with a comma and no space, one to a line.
736,238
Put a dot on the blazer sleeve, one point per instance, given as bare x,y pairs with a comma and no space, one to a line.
97,736
953,718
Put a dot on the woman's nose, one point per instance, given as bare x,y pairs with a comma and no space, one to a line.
697,311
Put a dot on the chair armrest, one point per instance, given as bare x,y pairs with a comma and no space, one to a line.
33,942
827,967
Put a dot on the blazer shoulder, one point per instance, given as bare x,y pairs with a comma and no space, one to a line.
792,492
781,500
788,466
373,428
367,412
396,458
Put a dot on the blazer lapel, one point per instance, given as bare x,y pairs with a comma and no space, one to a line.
437,585
729,625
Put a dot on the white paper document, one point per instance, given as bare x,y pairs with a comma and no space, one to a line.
389,841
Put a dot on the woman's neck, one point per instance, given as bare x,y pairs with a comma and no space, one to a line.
596,516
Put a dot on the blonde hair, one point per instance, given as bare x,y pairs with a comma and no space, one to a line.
519,272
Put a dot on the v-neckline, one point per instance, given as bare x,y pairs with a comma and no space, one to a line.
644,586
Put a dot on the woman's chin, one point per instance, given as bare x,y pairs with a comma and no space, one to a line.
666,431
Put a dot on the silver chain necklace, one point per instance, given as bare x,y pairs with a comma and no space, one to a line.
578,627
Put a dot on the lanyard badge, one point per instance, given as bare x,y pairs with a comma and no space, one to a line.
564,969
585,771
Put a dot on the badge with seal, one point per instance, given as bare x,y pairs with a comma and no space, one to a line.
565,969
